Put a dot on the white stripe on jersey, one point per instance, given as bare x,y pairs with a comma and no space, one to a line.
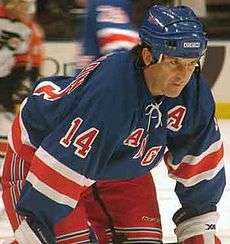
63,170
24,134
110,47
49,192
207,175
192,160
105,32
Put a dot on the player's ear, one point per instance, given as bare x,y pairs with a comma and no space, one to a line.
147,56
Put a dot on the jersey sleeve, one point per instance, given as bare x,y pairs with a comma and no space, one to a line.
114,27
74,152
195,154
29,128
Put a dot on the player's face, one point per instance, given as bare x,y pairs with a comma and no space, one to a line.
170,75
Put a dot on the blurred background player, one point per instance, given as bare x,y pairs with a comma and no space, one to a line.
107,27
21,57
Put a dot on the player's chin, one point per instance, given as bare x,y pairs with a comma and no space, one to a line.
173,93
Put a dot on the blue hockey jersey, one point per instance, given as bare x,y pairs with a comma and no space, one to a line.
105,124
107,28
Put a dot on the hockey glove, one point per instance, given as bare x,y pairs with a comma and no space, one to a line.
198,230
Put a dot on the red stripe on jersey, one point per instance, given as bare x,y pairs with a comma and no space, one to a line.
24,151
55,180
117,37
186,170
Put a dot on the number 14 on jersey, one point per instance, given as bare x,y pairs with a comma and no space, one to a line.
83,142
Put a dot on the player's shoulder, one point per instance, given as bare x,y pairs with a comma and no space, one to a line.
61,81
197,96
118,59
196,87
112,83
46,99
117,73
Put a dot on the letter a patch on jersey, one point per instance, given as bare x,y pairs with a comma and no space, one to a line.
133,140
175,117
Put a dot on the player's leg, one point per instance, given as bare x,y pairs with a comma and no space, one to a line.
124,209
96,215
14,173
73,228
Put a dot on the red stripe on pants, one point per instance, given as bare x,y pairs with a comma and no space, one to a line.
14,173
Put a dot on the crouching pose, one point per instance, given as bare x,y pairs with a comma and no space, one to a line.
92,140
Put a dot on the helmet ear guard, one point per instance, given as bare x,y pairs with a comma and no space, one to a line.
174,31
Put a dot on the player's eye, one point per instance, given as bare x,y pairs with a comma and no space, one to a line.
193,63
174,62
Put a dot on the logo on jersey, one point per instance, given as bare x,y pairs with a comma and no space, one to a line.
175,118
136,139
52,92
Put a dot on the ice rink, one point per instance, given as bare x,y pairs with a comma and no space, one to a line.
168,201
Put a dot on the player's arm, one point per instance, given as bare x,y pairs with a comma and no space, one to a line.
27,132
107,29
69,159
114,28
195,161
88,49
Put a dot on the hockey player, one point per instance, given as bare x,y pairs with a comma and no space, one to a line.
107,27
93,139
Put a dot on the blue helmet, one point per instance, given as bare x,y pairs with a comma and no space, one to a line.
174,31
